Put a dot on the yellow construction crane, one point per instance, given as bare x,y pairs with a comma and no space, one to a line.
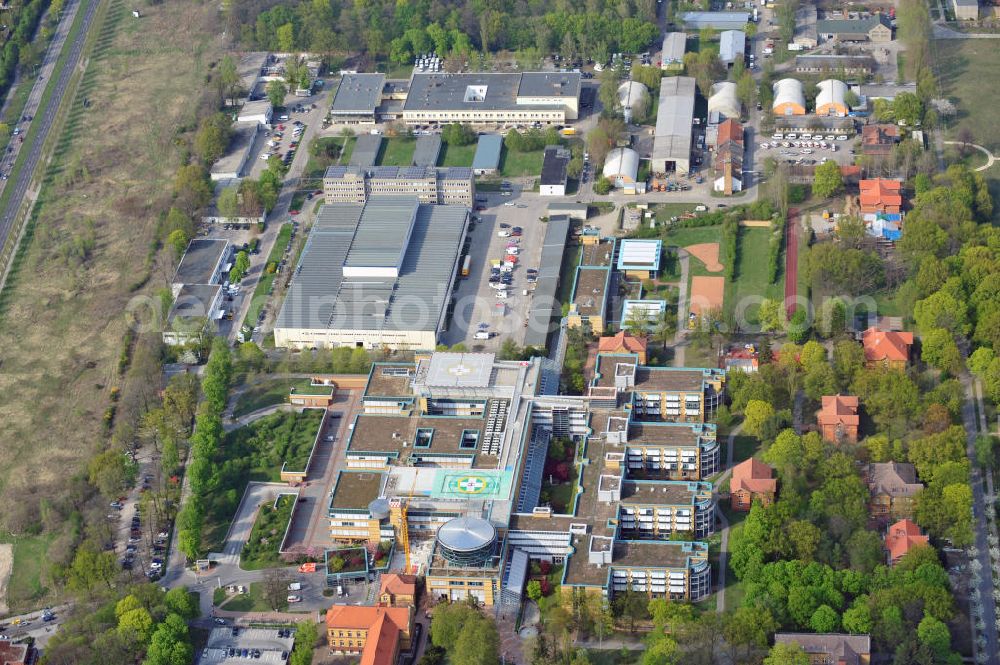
404,528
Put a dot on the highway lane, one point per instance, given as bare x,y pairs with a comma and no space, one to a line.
43,118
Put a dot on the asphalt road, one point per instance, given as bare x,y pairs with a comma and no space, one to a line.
43,117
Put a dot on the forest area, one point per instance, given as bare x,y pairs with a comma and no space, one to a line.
455,30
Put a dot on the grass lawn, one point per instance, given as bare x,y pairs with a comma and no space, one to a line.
261,549
744,446
397,151
734,587
889,304
267,392
256,452
694,236
515,164
266,282
347,150
330,150
750,279
664,211
682,237
65,319
24,588
252,601
962,65
701,356
456,155
571,258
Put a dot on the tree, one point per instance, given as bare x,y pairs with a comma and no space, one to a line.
136,625
240,267
756,414
602,186
986,450
935,634
607,91
305,642
819,381
857,619
804,538
746,89
111,472
825,620
458,134
228,203
785,653
907,109
534,590
851,99
798,326
942,309
170,644
179,601
638,322
631,606
770,315
191,187
276,91
827,180
447,623
229,77
178,240
212,138
275,592
938,348
478,643
748,628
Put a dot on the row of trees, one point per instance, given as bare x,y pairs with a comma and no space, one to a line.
208,433
451,29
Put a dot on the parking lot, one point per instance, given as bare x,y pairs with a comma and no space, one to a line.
807,148
233,645
298,113
476,302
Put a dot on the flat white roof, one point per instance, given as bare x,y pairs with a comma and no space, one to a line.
640,251
460,370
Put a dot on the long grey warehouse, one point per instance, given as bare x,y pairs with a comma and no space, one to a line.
374,275
672,139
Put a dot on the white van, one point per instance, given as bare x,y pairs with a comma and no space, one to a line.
295,586
482,334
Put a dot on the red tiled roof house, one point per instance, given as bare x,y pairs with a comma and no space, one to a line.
881,195
623,343
838,418
886,348
901,538
752,479
377,633
398,590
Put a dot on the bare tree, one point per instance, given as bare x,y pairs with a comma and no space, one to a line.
966,138
276,582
